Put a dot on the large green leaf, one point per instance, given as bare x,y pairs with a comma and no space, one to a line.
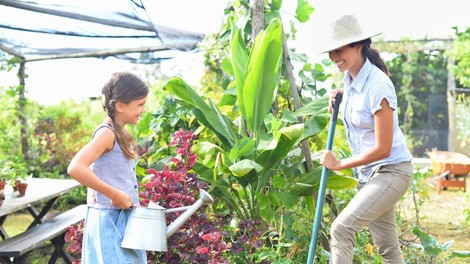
207,113
243,167
243,147
460,254
287,138
429,242
303,11
265,210
315,125
341,182
310,182
315,107
263,75
239,63
287,198
201,118
222,188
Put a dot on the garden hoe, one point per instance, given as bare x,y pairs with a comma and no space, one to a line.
323,179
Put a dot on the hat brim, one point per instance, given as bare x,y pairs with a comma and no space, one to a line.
332,45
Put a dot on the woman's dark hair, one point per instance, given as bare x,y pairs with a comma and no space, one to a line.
372,54
123,87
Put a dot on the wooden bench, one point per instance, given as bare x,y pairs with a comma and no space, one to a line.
13,250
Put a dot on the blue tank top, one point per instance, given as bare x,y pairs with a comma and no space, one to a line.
115,169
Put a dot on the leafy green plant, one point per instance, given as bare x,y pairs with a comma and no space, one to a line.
462,123
429,250
420,191
12,169
241,169
460,47
364,251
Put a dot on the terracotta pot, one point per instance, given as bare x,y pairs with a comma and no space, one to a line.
2,185
22,188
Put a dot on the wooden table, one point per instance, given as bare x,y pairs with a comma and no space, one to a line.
40,191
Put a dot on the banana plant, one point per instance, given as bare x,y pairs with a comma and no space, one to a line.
254,149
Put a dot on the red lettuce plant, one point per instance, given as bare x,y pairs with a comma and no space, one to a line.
74,235
199,240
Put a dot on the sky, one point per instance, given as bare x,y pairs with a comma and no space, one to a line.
52,81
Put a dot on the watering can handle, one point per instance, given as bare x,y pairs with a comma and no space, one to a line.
110,219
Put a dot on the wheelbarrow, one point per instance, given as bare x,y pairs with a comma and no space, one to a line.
451,169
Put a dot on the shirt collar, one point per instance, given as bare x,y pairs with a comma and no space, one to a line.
361,77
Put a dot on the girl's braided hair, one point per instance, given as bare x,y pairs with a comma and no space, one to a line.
123,87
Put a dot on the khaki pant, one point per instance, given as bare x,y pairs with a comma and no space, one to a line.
373,206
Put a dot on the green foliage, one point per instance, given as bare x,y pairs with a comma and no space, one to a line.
303,11
9,126
263,72
420,79
420,191
462,123
12,168
254,165
460,48
364,251
430,250
59,133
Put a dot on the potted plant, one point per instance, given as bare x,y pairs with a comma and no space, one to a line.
18,177
13,171
5,172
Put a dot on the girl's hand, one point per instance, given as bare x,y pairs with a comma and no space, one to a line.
328,159
333,98
121,200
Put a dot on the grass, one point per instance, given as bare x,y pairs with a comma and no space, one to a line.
17,223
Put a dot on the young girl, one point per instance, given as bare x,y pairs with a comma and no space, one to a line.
380,159
112,180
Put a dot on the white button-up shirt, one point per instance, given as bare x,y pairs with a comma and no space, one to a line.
362,100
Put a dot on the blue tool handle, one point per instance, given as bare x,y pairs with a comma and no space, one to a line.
334,117
323,180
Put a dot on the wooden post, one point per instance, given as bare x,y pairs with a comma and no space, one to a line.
257,17
21,111
450,102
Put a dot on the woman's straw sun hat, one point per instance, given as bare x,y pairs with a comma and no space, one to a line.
345,30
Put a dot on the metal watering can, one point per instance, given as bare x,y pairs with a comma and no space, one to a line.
146,228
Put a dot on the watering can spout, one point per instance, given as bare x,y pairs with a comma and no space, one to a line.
204,197
151,220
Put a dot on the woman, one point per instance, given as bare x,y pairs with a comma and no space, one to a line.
380,159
